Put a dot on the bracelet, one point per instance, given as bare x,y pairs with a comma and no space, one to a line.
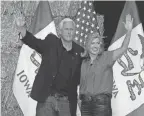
20,35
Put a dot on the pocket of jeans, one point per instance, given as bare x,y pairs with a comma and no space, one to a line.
63,105
42,107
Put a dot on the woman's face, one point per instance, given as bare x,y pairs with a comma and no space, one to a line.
94,45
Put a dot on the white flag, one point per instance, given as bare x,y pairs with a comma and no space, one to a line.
128,83
29,60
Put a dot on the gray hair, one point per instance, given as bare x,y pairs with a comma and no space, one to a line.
65,20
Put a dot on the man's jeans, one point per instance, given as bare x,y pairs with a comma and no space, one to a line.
98,105
54,106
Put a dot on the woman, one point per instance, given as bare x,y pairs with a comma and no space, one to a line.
96,74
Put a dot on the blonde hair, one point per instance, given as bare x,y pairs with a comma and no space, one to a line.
88,43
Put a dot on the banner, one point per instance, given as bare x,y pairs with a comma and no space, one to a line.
128,83
29,60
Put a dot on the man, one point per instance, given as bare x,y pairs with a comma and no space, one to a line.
55,85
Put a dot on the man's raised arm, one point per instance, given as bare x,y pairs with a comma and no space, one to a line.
28,38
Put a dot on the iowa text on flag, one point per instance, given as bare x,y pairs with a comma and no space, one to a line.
29,60
128,83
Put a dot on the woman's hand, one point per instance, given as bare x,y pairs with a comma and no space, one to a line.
129,23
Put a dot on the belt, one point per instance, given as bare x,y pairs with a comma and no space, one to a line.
59,96
86,97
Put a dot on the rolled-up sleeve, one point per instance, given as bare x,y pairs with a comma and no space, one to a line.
109,58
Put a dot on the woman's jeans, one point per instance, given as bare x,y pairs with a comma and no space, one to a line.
96,105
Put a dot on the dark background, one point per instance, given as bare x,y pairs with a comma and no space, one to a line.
112,11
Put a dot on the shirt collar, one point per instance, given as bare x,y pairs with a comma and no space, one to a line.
70,51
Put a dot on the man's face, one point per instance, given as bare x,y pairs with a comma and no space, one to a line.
68,31
94,45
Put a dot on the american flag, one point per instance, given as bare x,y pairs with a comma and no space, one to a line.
87,21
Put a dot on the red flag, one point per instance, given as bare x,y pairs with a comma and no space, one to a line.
42,17
130,8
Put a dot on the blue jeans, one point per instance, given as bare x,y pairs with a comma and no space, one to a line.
54,106
97,105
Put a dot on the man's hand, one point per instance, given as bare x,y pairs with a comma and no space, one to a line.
129,23
20,25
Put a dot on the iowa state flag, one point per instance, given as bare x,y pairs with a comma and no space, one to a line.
29,60
128,83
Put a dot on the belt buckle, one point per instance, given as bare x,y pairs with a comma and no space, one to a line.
59,96
89,98
65,98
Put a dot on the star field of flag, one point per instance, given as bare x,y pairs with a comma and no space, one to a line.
86,22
